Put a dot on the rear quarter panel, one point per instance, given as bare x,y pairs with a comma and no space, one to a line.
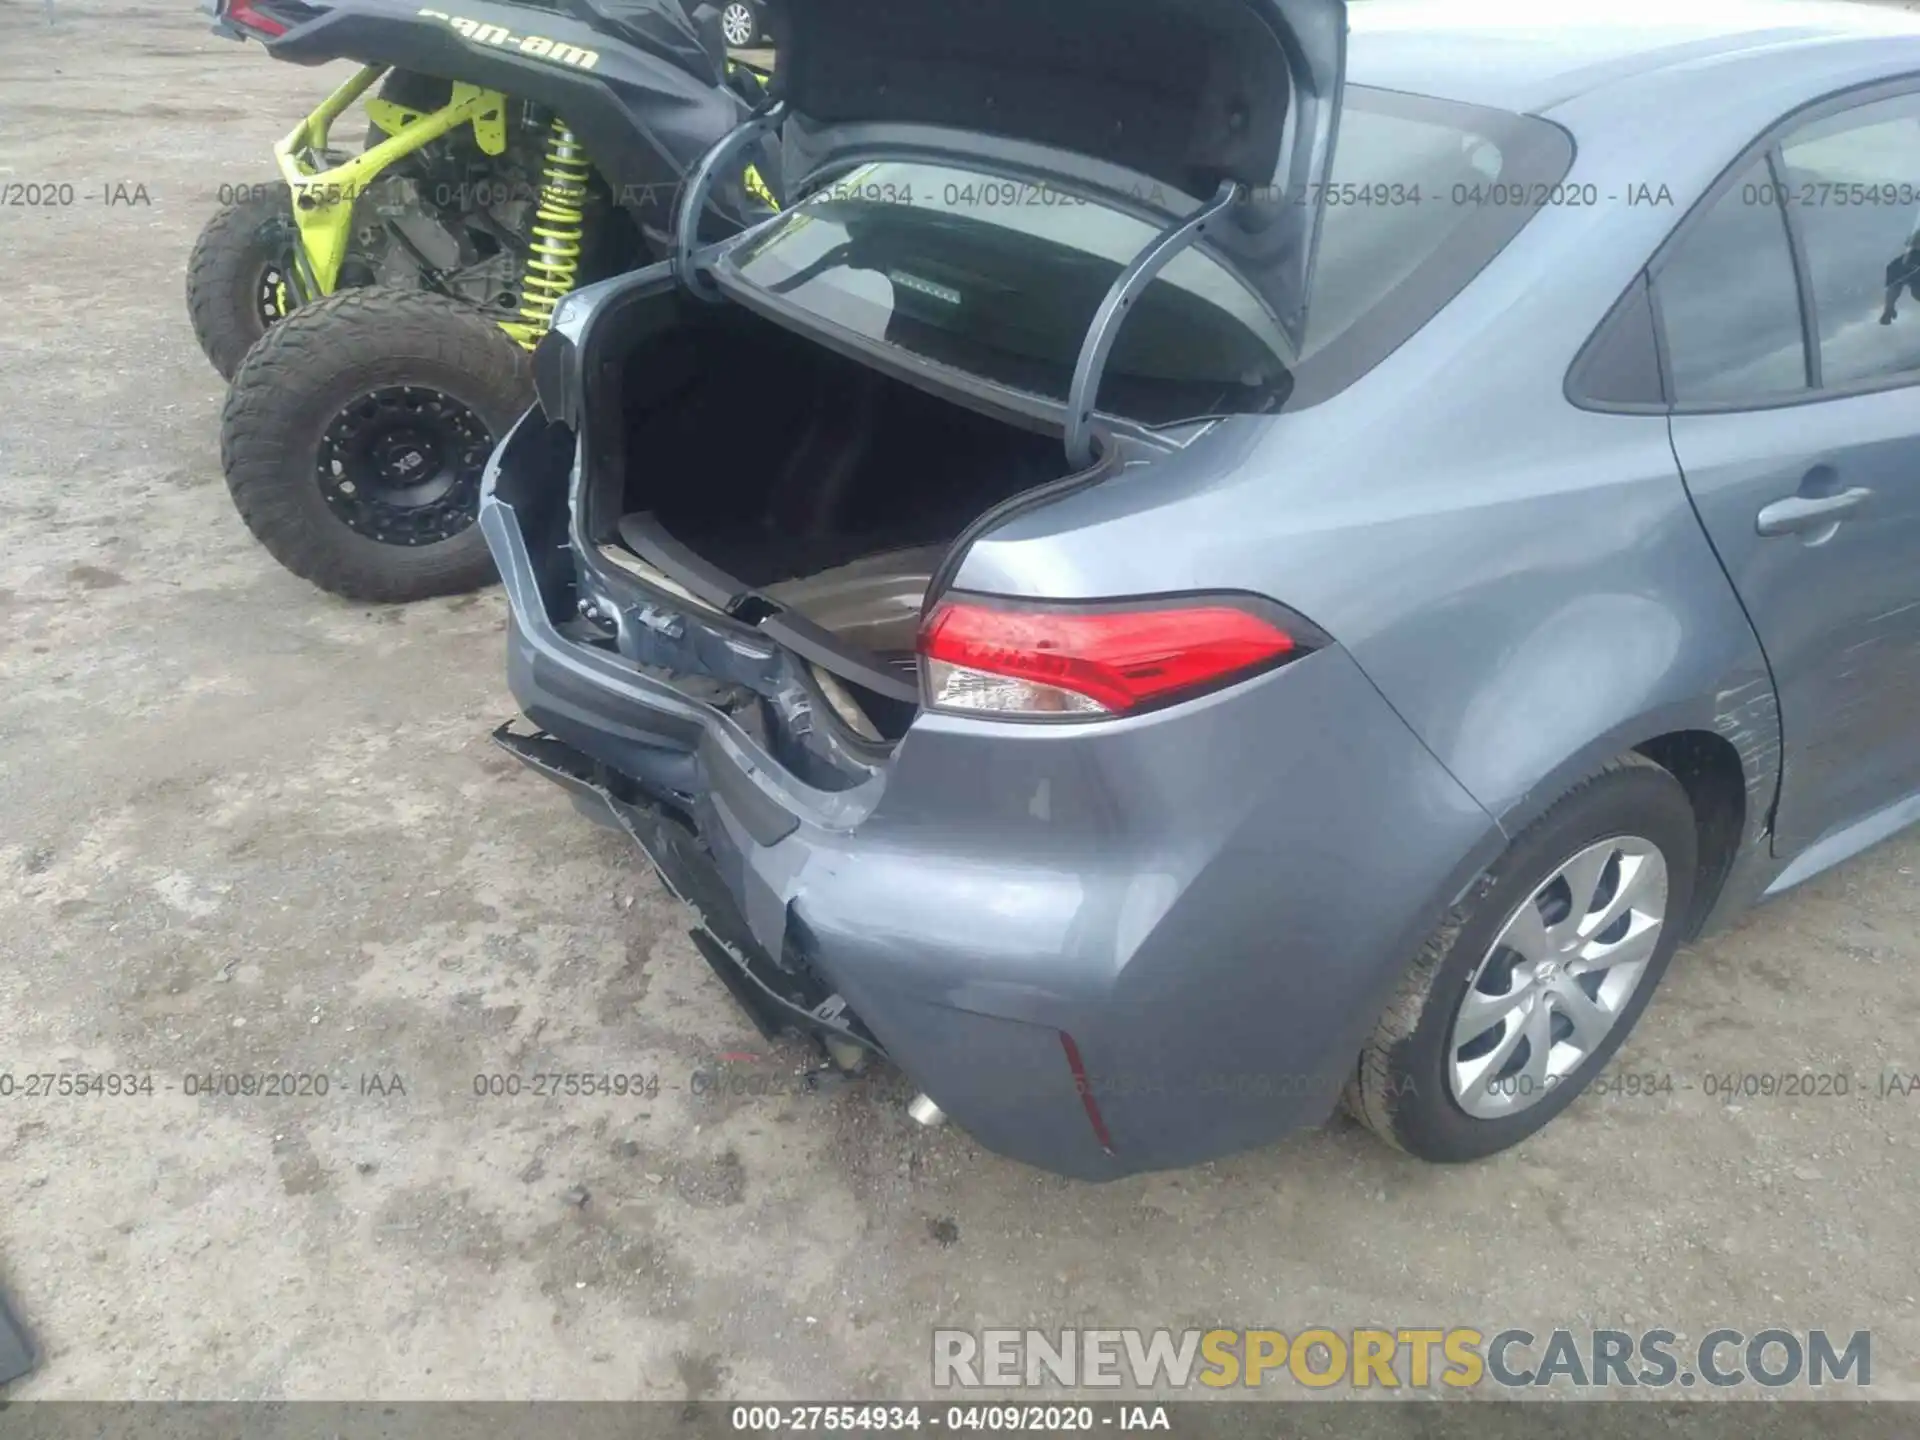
1525,581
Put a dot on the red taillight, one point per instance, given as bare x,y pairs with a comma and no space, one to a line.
1022,659
241,12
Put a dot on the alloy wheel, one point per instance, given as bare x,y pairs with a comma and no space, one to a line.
737,25
402,465
1557,978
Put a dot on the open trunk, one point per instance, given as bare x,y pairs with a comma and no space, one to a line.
768,476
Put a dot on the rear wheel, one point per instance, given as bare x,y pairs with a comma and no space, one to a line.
740,24
355,436
1525,990
238,276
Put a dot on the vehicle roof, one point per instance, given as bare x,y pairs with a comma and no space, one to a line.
1535,56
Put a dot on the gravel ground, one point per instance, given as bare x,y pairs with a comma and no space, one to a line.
244,826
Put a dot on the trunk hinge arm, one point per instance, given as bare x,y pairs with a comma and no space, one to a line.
1126,288
693,197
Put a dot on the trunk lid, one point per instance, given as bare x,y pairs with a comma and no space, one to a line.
1155,103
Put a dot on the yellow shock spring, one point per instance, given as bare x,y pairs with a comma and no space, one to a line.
553,260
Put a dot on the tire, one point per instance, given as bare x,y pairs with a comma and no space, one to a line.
1408,1088
445,382
234,262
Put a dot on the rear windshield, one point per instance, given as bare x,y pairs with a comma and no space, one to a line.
1001,278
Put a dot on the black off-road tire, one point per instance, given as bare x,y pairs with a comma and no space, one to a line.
231,260
303,375
1400,1089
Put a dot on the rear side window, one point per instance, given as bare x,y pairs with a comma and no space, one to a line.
1729,302
1002,278
1852,184
1620,366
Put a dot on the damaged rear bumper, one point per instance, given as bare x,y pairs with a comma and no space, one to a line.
779,996
1098,952
738,838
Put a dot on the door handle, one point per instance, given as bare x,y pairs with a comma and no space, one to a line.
1799,513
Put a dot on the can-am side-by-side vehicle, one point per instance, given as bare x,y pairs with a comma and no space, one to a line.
374,308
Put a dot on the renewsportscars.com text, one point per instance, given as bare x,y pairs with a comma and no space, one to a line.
1413,1358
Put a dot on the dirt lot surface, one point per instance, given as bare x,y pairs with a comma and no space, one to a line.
247,827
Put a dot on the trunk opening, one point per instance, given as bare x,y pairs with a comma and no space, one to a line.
766,473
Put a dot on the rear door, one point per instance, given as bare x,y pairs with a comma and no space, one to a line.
1791,328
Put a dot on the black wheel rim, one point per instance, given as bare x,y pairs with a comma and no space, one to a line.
273,295
401,465
271,298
